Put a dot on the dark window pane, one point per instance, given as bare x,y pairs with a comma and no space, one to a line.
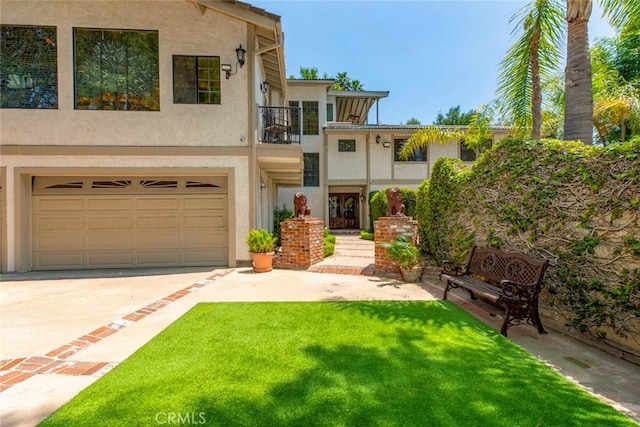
466,154
116,70
419,155
295,117
311,169
310,121
184,79
196,79
345,145
28,67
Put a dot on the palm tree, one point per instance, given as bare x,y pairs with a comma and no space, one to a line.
477,136
578,107
533,56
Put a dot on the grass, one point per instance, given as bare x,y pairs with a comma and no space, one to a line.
333,364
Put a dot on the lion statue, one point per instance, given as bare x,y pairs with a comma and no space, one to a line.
394,202
300,207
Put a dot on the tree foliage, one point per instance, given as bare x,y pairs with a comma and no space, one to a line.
454,117
341,81
533,58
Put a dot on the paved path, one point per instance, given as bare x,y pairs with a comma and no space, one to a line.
59,332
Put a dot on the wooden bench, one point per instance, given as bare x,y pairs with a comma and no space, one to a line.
510,280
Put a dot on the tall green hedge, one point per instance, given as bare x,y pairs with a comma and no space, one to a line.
577,206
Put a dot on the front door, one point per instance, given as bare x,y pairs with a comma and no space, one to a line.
343,210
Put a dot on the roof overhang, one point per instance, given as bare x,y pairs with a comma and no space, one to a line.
270,39
354,106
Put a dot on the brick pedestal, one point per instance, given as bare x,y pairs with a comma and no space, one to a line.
386,228
302,243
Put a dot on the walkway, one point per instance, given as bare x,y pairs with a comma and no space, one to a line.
353,255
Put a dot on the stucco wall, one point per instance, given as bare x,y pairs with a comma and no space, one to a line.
347,165
182,29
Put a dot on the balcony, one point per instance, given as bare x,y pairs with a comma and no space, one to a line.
279,125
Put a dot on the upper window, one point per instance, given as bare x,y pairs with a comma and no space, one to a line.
329,112
419,155
196,79
346,145
467,154
116,70
310,120
311,169
28,67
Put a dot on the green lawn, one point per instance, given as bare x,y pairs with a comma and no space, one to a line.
333,364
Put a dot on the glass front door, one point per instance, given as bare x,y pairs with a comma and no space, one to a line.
343,210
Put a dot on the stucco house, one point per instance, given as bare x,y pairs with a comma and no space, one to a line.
346,156
134,133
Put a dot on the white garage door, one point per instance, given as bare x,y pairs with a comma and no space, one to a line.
88,223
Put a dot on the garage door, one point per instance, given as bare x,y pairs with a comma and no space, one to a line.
88,223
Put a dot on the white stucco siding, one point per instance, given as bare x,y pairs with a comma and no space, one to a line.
182,30
145,166
449,149
381,160
347,165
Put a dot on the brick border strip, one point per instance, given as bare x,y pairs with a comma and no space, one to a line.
14,371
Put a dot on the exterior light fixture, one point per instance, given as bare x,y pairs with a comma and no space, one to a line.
377,139
386,144
264,86
240,54
362,198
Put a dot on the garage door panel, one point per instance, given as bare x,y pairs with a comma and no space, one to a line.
212,202
64,204
58,261
109,239
156,239
156,204
123,222
165,259
162,227
109,259
59,240
109,204
157,222
203,221
206,239
56,223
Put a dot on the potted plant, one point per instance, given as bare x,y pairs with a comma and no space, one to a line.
261,245
407,255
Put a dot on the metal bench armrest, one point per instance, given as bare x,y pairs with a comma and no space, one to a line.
517,291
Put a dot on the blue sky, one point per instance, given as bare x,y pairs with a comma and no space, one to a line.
429,55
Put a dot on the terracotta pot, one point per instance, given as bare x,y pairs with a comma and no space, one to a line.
262,262
411,275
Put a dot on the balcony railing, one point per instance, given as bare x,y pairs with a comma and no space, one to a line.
279,125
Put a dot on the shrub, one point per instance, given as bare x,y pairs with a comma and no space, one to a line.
329,243
280,215
402,251
260,240
366,235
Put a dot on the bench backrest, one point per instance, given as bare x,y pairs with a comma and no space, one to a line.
496,265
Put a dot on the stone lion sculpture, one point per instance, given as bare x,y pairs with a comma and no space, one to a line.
394,202
300,207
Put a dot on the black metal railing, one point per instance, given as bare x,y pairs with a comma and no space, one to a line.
279,125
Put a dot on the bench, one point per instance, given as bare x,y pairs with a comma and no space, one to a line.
510,280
